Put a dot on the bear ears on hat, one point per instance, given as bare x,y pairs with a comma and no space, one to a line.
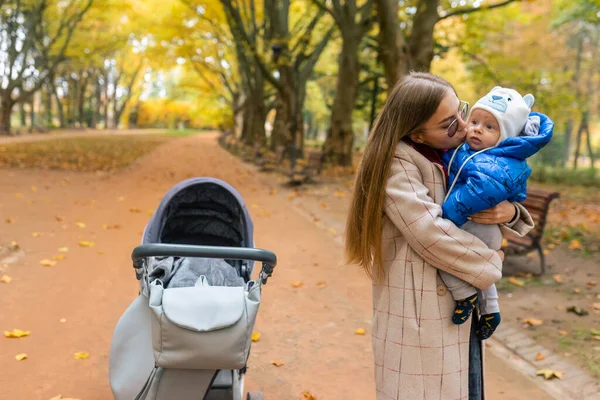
528,98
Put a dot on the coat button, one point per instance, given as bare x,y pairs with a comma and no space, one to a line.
441,290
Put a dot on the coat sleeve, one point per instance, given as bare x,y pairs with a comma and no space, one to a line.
437,240
480,191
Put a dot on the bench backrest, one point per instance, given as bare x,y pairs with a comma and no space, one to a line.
538,204
315,160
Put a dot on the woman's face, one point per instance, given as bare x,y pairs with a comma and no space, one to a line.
435,131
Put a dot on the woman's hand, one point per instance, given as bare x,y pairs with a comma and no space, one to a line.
502,213
501,254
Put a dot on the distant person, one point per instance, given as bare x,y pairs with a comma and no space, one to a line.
396,232
488,168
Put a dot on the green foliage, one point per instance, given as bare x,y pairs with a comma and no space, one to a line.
559,175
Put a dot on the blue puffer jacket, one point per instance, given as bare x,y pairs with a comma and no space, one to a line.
499,173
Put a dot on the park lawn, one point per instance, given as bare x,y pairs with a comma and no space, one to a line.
83,154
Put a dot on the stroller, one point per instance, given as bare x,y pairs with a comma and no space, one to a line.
188,333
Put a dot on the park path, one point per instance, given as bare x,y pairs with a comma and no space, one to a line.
310,329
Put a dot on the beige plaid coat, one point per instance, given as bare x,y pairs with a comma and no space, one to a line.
419,353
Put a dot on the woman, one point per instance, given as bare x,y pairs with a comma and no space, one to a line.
396,232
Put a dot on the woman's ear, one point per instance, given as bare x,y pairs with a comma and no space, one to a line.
416,137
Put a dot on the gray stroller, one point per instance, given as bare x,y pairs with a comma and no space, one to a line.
188,333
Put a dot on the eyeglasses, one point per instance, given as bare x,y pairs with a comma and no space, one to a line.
464,111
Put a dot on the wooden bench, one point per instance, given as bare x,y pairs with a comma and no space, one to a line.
270,161
307,170
537,203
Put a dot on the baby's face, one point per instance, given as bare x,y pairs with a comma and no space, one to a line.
483,130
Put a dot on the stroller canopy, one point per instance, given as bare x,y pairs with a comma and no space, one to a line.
201,211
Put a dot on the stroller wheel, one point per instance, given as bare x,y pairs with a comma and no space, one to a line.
255,396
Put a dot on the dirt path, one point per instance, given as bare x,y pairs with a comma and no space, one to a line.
310,329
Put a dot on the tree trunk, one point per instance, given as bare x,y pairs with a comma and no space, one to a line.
48,107
98,105
340,138
23,114
589,146
421,41
279,127
582,127
567,141
392,48
32,114
374,95
81,101
106,101
6,112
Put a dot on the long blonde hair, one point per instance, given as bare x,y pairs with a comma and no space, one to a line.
411,104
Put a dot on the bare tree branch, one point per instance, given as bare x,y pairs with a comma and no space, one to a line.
323,7
470,10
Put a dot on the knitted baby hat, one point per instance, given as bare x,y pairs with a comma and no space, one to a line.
510,109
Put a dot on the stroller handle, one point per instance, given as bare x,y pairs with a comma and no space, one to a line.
179,250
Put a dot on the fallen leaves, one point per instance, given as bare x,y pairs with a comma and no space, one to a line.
135,210
36,234
21,357
563,333
517,282
13,246
255,336
10,220
16,333
575,244
308,396
5,279
322,284
62,320
533,321
549,374
277,363
557,278
81,355
360,331
80,224
109,227
297,284
47,263
85,243
592,283
539,357
59,257
63,250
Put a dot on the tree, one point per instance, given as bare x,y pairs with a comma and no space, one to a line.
353,22
36,35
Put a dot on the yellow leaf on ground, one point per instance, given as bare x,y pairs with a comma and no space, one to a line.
80,224
5,279
254,205
360,331
255,336
546,252
595,306
33,189
558,278
36,234
539,357
308,396
13,245
59,257
273,192
332,231
10,220
516,282
21,357
575,244
277,363
85,243
323,205
81,355
576,290
563,333
62,320
551,246
592,283
135,210
59,218
150,212
322,284
63,250
16,333
18,195
47,263
533,321
504,243
549,374
339,193
297,284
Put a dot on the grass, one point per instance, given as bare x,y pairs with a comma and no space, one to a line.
84,154
181,132
588,177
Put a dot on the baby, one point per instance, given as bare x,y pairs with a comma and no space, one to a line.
488,168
